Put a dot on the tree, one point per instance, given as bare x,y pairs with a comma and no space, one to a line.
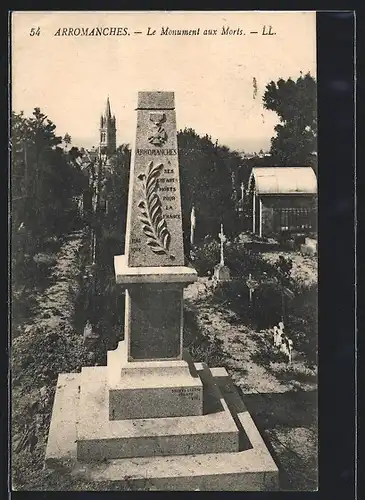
117,186
43,180
67,140
296,135
206,183
74,153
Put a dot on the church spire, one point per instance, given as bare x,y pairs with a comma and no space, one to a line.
107,131
108,113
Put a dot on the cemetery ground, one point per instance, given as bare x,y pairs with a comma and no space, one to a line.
219,329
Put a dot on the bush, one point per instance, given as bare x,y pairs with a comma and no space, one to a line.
39,355
206,256
303,322
240,261
23,308
22,271
31,272
268,305
51,244
235,294
266,308
243,262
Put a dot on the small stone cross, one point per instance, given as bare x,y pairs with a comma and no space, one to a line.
251,287
223,239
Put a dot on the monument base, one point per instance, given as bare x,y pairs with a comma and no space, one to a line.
222,273
219,450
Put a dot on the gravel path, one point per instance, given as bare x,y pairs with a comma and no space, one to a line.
53,305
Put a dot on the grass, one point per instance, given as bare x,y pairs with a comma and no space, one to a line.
298,372
39,353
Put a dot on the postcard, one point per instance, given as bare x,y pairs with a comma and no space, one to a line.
163,250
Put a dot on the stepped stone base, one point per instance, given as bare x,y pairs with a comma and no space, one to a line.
99,438
219,450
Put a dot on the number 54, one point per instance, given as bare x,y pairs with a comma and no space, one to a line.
35,31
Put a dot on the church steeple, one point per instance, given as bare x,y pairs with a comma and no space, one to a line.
108,113
107,131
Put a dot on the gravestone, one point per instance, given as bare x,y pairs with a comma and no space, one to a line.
152,418
221,271
90,337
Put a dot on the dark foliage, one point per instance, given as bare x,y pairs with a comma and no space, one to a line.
295,103
44,184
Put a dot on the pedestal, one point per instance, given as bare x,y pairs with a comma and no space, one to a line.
152,389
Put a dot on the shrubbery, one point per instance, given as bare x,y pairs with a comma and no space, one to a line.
240,261
28,274
206,256
266,308
303,321
40,354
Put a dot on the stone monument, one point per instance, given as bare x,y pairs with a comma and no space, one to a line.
152,418
221,271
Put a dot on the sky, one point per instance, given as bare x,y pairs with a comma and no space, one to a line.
70,77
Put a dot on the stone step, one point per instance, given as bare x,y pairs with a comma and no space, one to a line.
241,471
99,438
62,431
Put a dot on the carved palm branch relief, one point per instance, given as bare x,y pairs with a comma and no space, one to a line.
153,223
